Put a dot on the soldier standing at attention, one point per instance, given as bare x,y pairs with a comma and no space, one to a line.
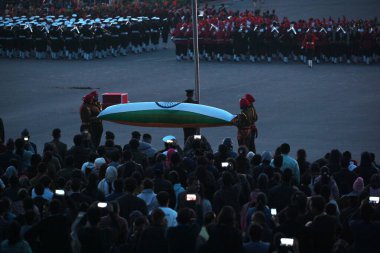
252,117
243,123
187,132
89,111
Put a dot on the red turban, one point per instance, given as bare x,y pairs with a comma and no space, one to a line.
90,96
250,98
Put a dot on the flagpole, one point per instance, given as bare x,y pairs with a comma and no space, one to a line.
194,6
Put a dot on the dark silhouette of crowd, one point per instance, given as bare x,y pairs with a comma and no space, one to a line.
139,198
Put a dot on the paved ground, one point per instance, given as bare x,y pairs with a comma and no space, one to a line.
329,106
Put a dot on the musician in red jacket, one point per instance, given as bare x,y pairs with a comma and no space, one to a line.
309,46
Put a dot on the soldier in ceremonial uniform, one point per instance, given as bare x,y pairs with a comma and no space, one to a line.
252,42
89,111
100,41
88,43
165,30
71,41
22,35
243,124
180,41
55,36
309,46
125,31
9,39
115,40
155,33
252,117
187,132
146,26
219,40
136,36
40,41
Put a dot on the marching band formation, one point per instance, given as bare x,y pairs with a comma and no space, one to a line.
74,38
254,38
223,35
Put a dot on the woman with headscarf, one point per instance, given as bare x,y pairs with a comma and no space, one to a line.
106,184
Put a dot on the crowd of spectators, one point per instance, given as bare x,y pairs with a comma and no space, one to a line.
140,198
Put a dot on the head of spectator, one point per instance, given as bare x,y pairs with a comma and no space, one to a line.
173,177
110,136
256,160
301,155
158,218
262,181
130,185
317,205
209,218
101,151
56,133
299,200
114,156
255,232
93,215
242,151
365,159
147,138
331,209
227,179
250,155
374,185
335,156
228,143
223,150
261,201
358,185
163,198
136,135
266,157
39,189
77,140
134,144
227,217
193,184
10,172
111,174
45,180
35,160
186,216
109,143
55,207
148,183
285,148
